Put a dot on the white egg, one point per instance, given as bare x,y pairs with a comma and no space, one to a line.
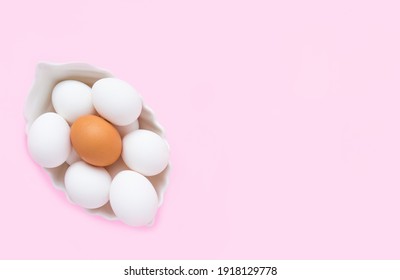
117,101
72,99
73,157
116,167
87,185
145,152
133,198
48,140
124,130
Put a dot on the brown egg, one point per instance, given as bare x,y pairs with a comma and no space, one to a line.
95,140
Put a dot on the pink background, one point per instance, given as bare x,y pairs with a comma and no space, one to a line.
283,120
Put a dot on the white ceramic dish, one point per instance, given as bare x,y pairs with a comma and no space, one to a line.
39,102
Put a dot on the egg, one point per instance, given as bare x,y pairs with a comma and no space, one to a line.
116,167
95,140
72,99
116,101
133,198
48,140
87,185
124,130
145,152
73,157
